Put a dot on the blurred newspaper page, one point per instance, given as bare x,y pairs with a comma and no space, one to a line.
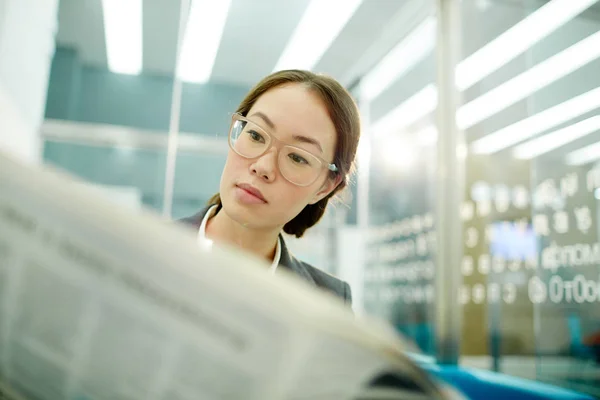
97,302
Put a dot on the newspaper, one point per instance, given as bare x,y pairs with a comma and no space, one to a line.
97,302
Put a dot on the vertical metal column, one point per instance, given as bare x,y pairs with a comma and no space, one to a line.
450,187
173,139
364,162
362,194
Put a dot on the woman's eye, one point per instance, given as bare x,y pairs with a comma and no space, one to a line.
255,136
298,159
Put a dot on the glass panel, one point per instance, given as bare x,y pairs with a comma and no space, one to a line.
106,117
206,106
203,130
132,177
193,185
564,182
530,100
531,277
399,265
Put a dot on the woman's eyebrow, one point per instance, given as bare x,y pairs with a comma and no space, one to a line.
298,138
306,139
264,118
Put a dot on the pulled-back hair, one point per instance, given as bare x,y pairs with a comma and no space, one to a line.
345,117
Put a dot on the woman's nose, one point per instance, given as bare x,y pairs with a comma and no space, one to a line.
265,166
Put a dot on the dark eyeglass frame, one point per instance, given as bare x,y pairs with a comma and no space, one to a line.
273,139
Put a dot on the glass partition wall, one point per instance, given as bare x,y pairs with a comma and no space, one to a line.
528,87
497,235
529,123
549,131
108,108
396,180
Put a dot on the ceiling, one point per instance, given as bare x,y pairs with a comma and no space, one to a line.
257,31
255,35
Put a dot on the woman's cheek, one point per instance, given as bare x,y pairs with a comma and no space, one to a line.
297,197
233,168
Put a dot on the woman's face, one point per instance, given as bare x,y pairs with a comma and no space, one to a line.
253,191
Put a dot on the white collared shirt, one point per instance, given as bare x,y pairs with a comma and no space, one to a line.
202,239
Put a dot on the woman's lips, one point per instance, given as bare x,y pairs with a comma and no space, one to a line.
249,194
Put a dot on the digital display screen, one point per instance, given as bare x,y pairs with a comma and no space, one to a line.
513,241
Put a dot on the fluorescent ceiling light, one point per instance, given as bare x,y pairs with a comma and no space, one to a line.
535,78
556,139
502,50
428,136
408,112
204,30
123,35
517,40
400,59
584,155
398,154
535,124
320,25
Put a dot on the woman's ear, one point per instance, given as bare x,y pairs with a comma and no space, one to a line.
328,186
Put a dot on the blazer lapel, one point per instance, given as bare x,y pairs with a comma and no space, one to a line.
286,260
195,220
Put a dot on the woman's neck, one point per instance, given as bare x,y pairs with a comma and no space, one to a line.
262,243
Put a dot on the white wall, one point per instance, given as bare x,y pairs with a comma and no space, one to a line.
12,127
351,262
27,33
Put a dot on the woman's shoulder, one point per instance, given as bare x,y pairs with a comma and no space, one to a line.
194,220
321,278
314,275
329,282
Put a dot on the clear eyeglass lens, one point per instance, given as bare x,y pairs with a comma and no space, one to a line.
299,166
296,165
248,139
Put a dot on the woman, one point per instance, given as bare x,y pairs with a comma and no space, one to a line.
292,143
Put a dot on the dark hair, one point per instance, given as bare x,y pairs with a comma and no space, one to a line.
345,117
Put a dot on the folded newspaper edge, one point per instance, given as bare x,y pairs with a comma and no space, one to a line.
98,302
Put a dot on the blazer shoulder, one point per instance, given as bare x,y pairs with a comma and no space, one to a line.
195,220
330,282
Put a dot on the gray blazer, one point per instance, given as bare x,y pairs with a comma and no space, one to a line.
306,271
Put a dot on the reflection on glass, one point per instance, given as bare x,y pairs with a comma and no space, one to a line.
401,242
530,112
526,125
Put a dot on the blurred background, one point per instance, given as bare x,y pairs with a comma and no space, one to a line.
89,86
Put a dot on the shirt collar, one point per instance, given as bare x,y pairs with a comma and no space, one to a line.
204,241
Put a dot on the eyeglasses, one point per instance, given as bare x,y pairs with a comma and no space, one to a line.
297,165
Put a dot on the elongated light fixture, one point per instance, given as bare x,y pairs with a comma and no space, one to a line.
320,25
584,155
556,139
202,38
515,89
408,112
535,78
400,59
537,123
123,35
517,40
502,50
